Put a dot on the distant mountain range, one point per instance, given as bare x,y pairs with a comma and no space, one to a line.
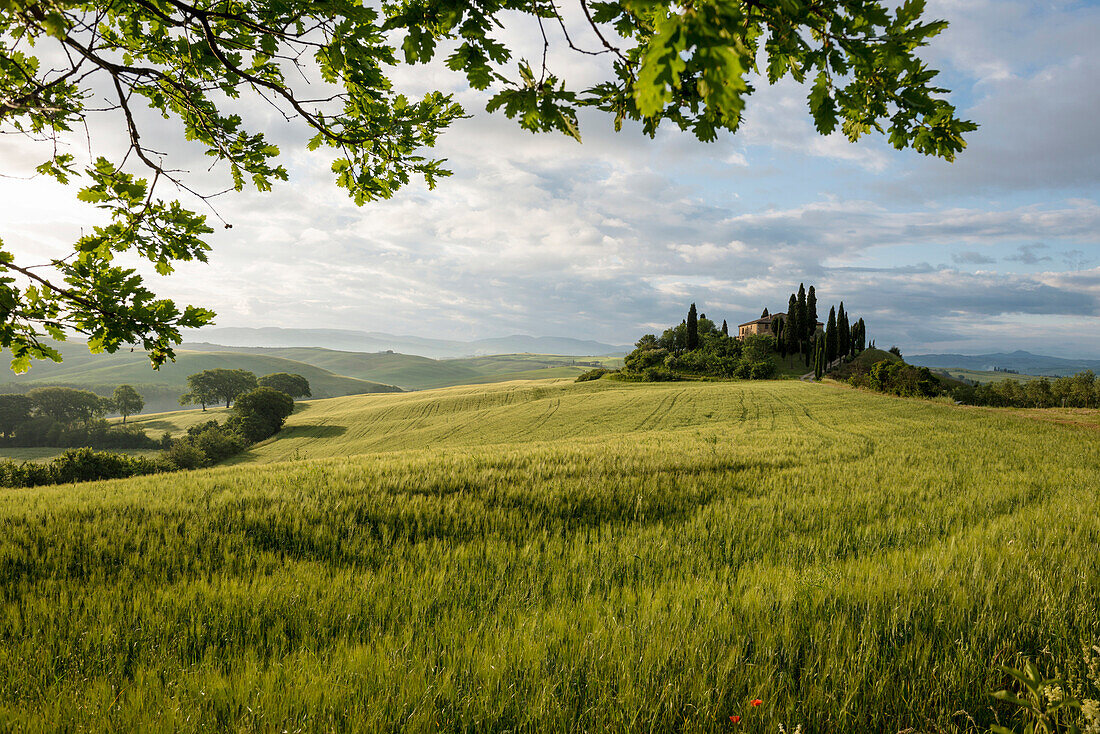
1020,361
373,341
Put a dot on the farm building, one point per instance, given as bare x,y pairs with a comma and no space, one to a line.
763,325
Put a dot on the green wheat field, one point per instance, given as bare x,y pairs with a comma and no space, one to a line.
558,557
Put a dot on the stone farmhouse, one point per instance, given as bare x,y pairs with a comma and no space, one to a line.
763,325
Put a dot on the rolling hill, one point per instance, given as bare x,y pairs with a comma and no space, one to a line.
1021,361
373,341
413,372
562,557
103,372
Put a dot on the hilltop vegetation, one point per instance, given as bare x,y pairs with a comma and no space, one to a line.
562,557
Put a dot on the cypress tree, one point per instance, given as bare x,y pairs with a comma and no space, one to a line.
843,332
811,315
780,327
801,323
830,337
791,327
692,329
764,315
819,356
861,341
725,329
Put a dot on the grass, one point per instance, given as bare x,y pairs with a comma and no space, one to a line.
175,422
46,453
562,557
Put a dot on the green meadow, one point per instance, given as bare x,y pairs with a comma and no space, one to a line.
558,557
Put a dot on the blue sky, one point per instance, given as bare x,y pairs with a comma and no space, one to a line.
614,237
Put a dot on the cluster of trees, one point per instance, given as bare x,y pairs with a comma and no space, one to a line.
699,347
797,334
64,416
223,385
899,378
1080,391
258,414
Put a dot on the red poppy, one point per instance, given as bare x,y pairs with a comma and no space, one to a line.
735,719
756,702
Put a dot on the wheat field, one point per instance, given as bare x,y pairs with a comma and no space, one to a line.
558,557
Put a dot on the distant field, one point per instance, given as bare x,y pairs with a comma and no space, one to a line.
47,453
561,557
983,377
175,422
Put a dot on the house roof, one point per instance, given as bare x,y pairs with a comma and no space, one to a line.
763,319
768,319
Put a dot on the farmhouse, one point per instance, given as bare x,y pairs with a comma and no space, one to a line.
764,325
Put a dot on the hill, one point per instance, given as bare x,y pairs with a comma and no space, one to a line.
562,557
413,372
1020,361
102,372
373,341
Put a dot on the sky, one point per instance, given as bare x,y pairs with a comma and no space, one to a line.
614,237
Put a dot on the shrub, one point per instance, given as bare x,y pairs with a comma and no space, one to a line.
260,413
218,443
659,374
592,375
185,455
640,359
78,465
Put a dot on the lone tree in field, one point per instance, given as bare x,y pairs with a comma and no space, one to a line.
127,401
201,390
292,384
228,384
692,329
329,69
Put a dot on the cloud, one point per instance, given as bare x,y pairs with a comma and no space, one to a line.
609,239
972,258
1028,254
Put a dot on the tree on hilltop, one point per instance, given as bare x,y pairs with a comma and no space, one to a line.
688,65
811,315
843,334
830,337
803,344
791,327
692,329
